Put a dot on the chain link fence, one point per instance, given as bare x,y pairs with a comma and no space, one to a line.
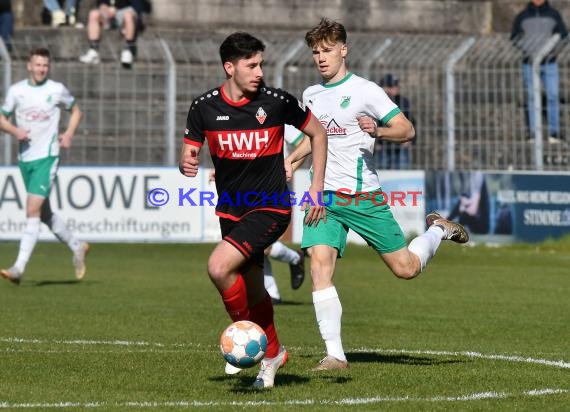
466,93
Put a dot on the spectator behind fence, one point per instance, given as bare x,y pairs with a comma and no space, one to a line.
531,28
123,14
394,155
6,23
60,17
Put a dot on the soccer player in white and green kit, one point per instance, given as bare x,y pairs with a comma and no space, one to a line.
348,106
34,103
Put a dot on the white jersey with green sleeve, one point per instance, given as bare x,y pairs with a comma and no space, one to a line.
292,137
36,109
350,158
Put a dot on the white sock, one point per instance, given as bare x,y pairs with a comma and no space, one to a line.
60,230
283,253
329,313
269,280
424,246
28,242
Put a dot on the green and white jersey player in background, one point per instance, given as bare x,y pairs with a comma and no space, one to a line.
34,103
349,107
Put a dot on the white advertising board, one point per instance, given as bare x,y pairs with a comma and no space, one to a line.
116,204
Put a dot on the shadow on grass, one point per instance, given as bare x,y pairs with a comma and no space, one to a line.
243,384
292,303
57,282
359,357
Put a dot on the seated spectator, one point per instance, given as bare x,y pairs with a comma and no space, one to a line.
60,17
6,23
123,14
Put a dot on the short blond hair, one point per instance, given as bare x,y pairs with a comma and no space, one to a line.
327,31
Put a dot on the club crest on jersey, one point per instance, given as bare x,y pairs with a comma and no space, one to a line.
344,101
261,115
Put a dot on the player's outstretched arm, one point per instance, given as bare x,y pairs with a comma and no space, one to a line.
189,160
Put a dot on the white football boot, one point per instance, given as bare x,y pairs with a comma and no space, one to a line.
266,376
79,260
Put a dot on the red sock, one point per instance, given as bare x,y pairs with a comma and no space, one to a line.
262,314
235,300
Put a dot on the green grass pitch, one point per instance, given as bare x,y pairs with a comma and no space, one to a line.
481,329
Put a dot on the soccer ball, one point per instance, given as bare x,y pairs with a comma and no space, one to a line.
243,344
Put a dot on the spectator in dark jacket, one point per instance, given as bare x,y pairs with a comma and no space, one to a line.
394,155
531,29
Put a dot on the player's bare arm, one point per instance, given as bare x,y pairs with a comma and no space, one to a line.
399,129
319,142
189,160
8,127
296,158
66,137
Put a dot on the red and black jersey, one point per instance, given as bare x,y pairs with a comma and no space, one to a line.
246,143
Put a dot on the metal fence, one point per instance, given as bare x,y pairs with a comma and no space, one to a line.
467,94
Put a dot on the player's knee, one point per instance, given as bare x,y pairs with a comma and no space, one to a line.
216,270
405,272
94,15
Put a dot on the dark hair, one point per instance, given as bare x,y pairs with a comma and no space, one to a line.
40,51
327,31
240,45
389,80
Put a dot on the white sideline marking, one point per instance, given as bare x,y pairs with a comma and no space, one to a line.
509,358
468,354
306,402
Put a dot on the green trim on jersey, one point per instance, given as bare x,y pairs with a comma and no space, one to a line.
339,82
7,114
37,84
359,166
297,139
53,138
390,115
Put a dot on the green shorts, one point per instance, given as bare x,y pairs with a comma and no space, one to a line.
39,175
368,217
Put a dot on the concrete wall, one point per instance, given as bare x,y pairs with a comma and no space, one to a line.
403,16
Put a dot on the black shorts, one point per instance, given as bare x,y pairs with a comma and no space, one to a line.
254,232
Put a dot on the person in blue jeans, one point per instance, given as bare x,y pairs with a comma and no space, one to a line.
61,17
532,27
6,23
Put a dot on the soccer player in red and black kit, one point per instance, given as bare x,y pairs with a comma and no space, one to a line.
243,122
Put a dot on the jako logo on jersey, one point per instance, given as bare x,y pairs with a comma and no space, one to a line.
333,129
261,115
243,140
345,101
223,118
